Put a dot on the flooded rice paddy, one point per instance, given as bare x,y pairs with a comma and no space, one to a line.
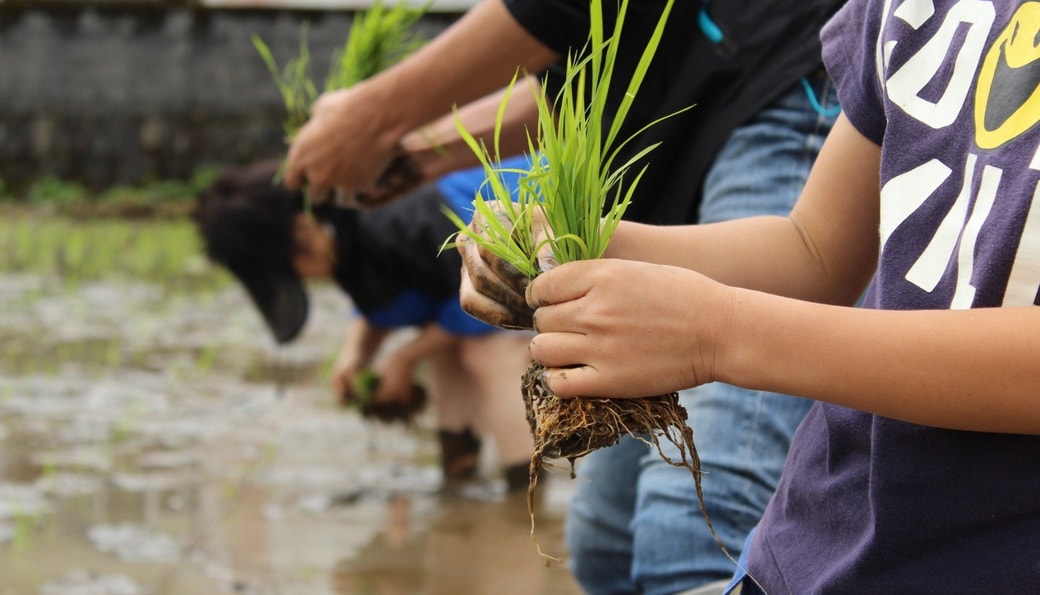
154,440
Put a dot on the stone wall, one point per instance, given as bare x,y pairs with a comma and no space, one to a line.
132,92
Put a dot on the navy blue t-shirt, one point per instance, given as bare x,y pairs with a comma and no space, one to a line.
868,504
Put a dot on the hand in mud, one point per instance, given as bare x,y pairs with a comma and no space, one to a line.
395,381
617,328
343,143
492,289
344,375
401,176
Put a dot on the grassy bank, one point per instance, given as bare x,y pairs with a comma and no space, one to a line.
52,243
163,198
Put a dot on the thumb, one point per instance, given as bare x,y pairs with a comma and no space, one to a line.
563,283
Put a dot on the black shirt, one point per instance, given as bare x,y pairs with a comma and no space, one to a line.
766,47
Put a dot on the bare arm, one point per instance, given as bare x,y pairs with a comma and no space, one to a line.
963,369
437,148
396,368
352,134
825,251
966,369
359,347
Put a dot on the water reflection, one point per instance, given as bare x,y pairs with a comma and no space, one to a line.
156,442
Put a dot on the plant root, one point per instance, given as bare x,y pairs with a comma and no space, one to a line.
572,428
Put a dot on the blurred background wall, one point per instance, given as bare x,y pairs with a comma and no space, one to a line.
110,92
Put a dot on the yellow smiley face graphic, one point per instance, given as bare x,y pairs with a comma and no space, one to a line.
1007,97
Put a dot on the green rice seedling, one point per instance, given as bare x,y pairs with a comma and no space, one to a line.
510,237
378,38
53,190
575,184
294,83
580,190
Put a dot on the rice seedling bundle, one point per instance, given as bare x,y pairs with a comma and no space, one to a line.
378,38
576,187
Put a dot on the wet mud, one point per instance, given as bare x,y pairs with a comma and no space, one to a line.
156,441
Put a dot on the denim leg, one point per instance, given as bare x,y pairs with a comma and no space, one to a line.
742,436
635,524
598,525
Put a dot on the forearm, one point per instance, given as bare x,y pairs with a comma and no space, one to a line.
438,148
824,251
731,253
963,369
363,340
478,54
430,339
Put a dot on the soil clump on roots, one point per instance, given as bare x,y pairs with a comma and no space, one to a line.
572,428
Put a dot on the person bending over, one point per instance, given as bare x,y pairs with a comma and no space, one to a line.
388,262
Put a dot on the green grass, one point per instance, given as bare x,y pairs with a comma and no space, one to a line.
575,184
158,197
378,38
166,251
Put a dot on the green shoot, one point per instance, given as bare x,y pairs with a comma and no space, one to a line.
294,83
378,38
574,184
511,239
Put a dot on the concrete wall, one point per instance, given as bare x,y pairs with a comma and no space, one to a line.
126,93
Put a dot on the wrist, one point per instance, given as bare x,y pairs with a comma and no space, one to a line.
391,116
732,337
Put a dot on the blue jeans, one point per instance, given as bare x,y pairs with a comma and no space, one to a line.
634,524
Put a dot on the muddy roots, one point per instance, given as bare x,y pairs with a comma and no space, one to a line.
572,428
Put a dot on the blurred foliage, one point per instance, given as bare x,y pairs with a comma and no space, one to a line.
159,198
161,250
52,190
378,38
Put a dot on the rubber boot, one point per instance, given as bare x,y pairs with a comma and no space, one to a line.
460,454
518,476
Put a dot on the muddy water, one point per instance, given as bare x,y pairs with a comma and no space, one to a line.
156,441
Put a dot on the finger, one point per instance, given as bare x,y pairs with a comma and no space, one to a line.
293,178
560,350
577,381
490,311
505,270
484,281
563,283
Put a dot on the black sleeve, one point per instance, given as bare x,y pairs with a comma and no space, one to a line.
564,24
559,24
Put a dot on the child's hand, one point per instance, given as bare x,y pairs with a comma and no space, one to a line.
395,380
493,289
344,374
616,328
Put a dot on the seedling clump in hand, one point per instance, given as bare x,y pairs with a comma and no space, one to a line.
378,38
579,191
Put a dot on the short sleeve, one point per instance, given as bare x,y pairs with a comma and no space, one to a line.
850,41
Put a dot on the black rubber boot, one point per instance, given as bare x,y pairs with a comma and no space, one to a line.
518,476
460,454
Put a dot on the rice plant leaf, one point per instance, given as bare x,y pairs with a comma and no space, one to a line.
573,182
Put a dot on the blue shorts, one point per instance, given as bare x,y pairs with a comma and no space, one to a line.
414,308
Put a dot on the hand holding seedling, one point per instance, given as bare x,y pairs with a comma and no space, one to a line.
343,123
591,318
396,386
493,288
